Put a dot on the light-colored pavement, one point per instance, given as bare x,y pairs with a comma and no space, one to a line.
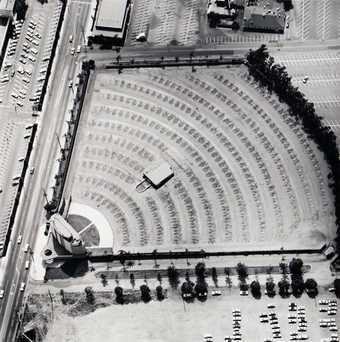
31,215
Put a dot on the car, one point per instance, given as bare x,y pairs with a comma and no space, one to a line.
32,170
70,38
22,286
70,84
19,239
305,79
23,61
271,306
72,51
31,58
323,309
333,329
38,35
2,292
27,264
34,50
15,95
216,293
207,337
4,79
35,42
27,247
20,104
26,80
78,48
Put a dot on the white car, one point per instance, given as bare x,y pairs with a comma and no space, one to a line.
22,286
2,292
27,247
27,264
19,239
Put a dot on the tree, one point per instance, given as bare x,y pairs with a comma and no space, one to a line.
242,271
90,299
214,276
284,268
159,293
201,290
270,287
145,293
62,294
132,280
295,266
284,285
119,295
311,287
103,279
200,271
173,276
255,289
187,290
337,287
159,278
297,285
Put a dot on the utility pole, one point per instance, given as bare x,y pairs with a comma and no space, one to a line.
52,313
45,196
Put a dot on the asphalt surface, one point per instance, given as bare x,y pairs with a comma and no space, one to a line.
31,215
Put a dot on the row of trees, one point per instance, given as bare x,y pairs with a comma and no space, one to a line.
275,78
199,289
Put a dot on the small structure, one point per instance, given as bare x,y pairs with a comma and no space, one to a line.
264,16
156,177
66,235
111,21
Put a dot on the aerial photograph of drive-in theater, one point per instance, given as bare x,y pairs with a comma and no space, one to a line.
169,170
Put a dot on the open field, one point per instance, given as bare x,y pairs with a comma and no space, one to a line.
246,176
173,320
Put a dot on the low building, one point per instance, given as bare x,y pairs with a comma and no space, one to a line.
264,16
66,235
111,20
159,176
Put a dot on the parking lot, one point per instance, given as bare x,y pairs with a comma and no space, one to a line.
27,57
229,317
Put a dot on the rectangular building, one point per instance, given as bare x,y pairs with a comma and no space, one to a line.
111,20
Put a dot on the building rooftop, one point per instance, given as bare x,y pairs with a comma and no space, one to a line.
63,228
160,174
265,14
111,14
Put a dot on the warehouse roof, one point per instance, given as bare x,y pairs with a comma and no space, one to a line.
111,14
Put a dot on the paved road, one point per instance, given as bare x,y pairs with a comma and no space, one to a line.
31,214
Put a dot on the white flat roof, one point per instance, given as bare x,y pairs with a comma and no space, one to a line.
111,13
158,175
